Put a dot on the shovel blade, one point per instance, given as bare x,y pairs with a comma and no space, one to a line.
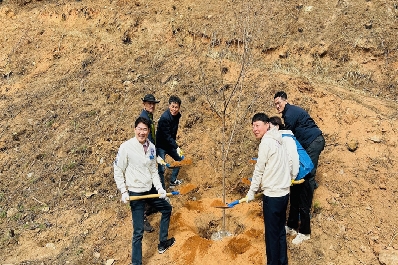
184,162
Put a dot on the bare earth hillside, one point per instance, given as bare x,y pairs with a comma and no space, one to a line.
72,75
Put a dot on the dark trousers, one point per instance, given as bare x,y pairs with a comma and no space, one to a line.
161,168
149,209
137,212
300,197
314,150
274,210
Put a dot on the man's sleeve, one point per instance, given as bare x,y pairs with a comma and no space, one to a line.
290,121
293,157
262,160
164,126
119,169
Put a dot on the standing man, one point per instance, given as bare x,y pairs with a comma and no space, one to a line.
135,172
272,174
310,137
149,102
166,135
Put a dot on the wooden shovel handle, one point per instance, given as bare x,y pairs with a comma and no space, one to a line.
150,196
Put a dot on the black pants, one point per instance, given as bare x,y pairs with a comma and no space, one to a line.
274,211
300,206
149,209
301,195
314,150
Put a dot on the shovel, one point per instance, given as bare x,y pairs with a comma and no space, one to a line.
232,204
151,196
184,190
294,182
184,162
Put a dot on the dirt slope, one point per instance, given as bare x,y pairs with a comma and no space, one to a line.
71,77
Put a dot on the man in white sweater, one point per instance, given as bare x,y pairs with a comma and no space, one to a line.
135,170
272,174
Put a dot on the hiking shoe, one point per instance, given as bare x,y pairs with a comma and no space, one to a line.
290,231
176,183
163,246
147,226
300,238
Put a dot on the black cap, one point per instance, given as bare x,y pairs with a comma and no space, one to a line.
150,98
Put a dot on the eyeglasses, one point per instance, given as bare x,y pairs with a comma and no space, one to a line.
278,103
141,129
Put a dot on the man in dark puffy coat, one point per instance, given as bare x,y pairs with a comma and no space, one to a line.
149,101
310,137
166,134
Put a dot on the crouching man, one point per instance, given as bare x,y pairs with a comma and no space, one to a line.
135,170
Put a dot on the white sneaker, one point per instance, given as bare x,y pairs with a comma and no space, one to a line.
300,238
290,231
176,183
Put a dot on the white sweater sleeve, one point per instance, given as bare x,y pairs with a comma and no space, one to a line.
293,157
259,168
119,169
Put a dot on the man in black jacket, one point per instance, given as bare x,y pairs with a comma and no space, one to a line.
310,137
149,101
166,135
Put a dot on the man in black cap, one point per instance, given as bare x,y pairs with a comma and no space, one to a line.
149,102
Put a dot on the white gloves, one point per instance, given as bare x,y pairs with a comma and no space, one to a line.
162,162
180,153
125,197
250,196
162,193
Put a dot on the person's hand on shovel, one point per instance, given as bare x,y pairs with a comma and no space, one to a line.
180,153
162,193
162,162
125,197
250,196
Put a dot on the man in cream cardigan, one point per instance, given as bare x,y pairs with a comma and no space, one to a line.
135,170
272,175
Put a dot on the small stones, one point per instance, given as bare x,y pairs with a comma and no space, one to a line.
375,139
352,145
109,262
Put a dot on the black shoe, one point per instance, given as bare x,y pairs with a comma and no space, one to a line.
147,226
163,246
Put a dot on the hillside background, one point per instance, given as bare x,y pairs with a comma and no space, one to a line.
72,75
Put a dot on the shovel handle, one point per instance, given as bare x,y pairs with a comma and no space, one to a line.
150,196
232,204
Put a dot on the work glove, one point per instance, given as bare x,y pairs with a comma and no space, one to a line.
250,196
162,162
162,193
125,197
180,153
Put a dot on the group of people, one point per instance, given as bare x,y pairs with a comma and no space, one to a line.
276,167
139,170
